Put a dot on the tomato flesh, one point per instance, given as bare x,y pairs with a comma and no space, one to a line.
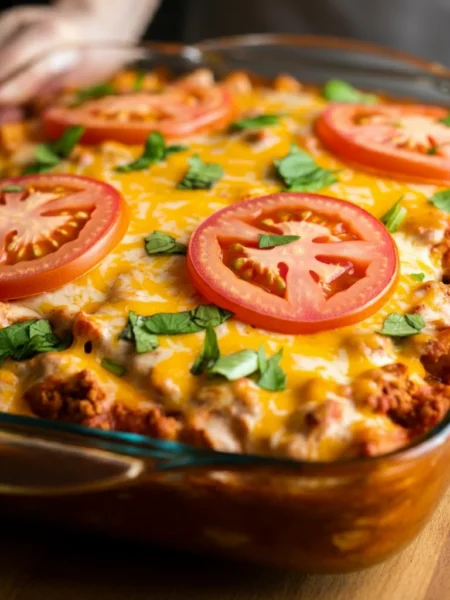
129,118
401,141
342,269
54,228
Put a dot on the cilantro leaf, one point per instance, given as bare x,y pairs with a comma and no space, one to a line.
300,173
209,353
158,243
433,150
236,365
397,325
441,200
273,378
200,175
269,241
337,90
155,151
394,217
417,276
445,120
257,122
113,367
23,340
50,154
12,188
94,91
136,332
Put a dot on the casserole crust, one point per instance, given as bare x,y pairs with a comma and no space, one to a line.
350,391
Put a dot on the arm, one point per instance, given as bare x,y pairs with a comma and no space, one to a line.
124,20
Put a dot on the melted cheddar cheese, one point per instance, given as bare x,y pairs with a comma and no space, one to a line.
319,367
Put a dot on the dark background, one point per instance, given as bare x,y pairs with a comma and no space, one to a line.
420,27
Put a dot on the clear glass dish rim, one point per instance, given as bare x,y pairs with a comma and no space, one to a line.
135,444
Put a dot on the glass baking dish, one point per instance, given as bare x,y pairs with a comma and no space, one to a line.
317,517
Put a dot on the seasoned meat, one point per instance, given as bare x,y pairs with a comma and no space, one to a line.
78,398
81,399
436,355
146,421
416,406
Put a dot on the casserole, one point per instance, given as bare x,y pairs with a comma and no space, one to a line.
322,516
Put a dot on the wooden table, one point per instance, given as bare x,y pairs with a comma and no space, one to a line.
43,565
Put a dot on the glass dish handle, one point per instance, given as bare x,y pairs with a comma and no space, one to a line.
37,466
41,457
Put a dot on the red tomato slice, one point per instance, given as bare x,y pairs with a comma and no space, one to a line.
54,229
341,270
400,141
177,112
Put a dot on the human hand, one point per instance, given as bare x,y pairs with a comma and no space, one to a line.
27,33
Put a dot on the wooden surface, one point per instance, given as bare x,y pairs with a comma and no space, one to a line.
44,565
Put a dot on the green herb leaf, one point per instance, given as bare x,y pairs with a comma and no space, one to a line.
139,81
441,200
337,90
158,243
155,151
237,365
432,150
269,241
12,188
143,330
394,217
273,378
50,154
257,122
190,321
174,148
262,359
300,173
416,321
417,276
45,155
95,91
136,332
207,315
113,367
23,340
66,143
209,353
315,180
397,325
37,168
445,120
200,175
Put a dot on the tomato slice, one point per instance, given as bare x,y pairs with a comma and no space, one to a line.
176,112
400,141
54,228
341,270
